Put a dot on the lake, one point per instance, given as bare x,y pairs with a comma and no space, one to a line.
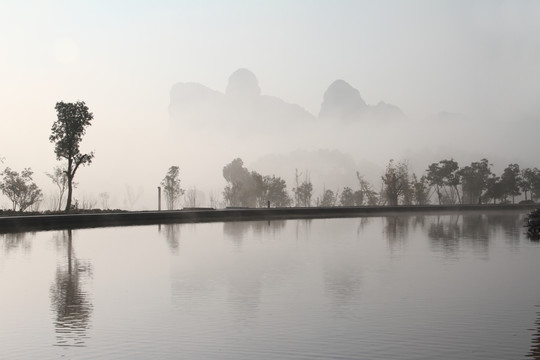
411,286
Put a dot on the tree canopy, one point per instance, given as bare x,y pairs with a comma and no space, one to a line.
66,134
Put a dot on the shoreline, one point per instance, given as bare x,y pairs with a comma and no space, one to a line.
11,224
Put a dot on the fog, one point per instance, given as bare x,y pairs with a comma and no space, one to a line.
328,88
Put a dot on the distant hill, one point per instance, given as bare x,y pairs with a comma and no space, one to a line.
343,102
243,107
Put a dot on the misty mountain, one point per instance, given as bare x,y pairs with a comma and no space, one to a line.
341,101
242,108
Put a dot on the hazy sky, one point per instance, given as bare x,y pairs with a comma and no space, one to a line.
478,58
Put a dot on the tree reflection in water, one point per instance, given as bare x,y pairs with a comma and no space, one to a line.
12,241
445,234
449,232
237,230
363,221
396,229
172,235
69,300
535,342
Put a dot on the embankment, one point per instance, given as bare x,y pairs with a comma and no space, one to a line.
73,221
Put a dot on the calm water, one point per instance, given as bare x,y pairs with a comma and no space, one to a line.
402,287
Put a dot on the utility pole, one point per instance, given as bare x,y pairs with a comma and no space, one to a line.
159,198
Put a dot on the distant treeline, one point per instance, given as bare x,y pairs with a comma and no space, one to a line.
443,182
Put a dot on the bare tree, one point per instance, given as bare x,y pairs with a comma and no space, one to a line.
104,199
215,201
59,178
367,191
89,202
132,197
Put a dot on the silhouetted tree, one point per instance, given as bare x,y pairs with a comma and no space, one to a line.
526,185
474,180
444,174
171,187
531,182
67,133
495,189
511,180
20,188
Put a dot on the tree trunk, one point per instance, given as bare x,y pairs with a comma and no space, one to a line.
70,189
458,197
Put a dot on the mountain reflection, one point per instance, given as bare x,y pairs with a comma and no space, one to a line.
69,300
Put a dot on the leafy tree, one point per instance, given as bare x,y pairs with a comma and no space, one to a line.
329,198
396,183
303,191
531,182
66,133
243,188
421,190
236,175
171,187
442,175
535,184
474,180
20,188
348,197
452,177
275,191
435,178
495,189
511,180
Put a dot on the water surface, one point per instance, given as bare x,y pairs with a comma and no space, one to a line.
398,287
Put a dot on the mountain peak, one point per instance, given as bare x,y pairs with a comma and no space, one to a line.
243,84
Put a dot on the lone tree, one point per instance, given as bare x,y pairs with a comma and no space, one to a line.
171,187
67,133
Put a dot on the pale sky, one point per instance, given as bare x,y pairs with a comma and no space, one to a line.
477,58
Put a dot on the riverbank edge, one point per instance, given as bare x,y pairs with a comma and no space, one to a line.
9,224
